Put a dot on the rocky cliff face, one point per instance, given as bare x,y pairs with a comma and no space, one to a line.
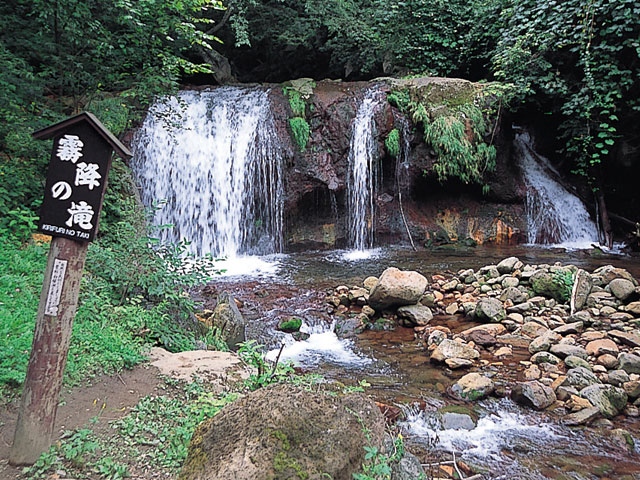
413,206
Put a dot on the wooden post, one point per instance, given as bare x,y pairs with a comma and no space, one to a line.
40,394
74,192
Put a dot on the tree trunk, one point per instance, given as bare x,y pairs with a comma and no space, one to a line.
604,219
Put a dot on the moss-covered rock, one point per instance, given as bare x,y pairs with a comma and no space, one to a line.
284,431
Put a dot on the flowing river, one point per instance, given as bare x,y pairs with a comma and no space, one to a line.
507,442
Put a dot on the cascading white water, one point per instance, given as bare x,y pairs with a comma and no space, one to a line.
554,215
363,173
213,157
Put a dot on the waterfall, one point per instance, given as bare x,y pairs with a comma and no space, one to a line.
554,215
363,176
213,157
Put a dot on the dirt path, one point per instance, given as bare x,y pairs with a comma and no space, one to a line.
108,397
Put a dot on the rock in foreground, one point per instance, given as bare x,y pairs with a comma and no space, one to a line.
283,431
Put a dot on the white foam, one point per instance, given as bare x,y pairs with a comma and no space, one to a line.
319,348
247,266
355,255
494,433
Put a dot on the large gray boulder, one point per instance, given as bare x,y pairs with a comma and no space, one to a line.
490,310
413,315
508,265
580,378
396,288
629,362
284,431
533,394
608,399
622,288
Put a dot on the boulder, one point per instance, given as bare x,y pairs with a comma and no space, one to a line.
580,378
370,282
617,377
533,394
608,399
570,328
513,294
627,338
629,362
490,310
473,386
544,342
634,308
600,347
492,329
396,288
229,321
622,288
508,265
545,357
551,284
451,349
415,315
582,285
457,421
605,274
408,467
284,431
582,417
573,362
632,388
563,350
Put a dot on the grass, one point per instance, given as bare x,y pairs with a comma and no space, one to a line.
21,275
154,437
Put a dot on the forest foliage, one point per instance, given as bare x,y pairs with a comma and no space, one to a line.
575,62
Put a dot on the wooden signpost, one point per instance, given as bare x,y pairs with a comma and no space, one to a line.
74,191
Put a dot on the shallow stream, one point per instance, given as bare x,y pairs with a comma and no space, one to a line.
507,442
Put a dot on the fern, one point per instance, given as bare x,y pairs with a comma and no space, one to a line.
392,143
300,131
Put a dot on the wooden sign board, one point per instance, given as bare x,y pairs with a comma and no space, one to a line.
77,177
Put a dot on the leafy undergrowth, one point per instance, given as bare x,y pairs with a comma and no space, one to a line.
149,442
134,294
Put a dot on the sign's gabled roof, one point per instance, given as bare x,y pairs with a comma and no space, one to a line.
53,130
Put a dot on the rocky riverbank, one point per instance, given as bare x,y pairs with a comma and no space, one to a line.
573,336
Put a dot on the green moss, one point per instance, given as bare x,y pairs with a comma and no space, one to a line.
283,461
197,458
291,325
